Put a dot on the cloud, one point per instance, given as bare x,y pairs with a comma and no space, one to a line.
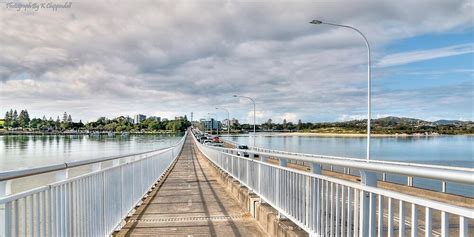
423,55
102,59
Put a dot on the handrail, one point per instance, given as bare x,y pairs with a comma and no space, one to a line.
444,173
20,173
323,205
353,159
94,203
408,169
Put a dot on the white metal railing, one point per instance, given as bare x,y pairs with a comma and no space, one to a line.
327,206
92,204
431,170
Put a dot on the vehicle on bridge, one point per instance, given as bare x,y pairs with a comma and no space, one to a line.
243,153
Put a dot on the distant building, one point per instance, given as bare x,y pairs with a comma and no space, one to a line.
225,123
178,117
138,118
130,120
210,124
157,119
234,121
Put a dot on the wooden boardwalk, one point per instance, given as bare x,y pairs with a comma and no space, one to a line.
190,202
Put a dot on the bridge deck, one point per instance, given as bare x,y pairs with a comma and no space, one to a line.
190,202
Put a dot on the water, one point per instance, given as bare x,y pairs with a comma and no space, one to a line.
436,150
18,152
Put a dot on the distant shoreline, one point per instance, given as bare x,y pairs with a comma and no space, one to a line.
309,134
30,133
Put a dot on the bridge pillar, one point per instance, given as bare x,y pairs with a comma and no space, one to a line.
367,205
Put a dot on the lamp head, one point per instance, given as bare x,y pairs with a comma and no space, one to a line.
316,22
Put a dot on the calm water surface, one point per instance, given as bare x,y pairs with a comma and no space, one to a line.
439,150
18,152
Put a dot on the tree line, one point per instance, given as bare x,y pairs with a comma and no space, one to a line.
22,121
387,125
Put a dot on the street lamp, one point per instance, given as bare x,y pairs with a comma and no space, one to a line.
228,119
213,124
253,101
317,22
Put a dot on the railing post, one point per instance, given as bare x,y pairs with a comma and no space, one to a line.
282,163
367,208
5,189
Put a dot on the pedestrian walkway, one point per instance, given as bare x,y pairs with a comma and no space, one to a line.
190,202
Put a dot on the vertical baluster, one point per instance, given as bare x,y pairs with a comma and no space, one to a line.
337,211
17,218
8,219
380,219
25,216
343,210
401,218
322,208
390,217
326,213
414,220
444,224
463,226
428,222
38,213
50,212
372,202
356,211
318,206
332,213
31,223
349,212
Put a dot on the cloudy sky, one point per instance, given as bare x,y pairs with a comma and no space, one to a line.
170,58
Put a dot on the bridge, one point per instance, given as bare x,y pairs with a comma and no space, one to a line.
193,189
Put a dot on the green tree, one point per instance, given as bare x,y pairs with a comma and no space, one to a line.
24,119
8,118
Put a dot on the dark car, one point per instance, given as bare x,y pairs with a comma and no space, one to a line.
202,139
243,153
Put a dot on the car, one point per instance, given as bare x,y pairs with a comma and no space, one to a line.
243,153
218,144
215,139
202,139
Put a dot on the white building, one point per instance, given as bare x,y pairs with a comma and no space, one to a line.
138,118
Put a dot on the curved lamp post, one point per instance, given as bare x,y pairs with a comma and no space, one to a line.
228,119
253,101
317,22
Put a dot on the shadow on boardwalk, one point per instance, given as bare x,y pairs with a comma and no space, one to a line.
190,202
